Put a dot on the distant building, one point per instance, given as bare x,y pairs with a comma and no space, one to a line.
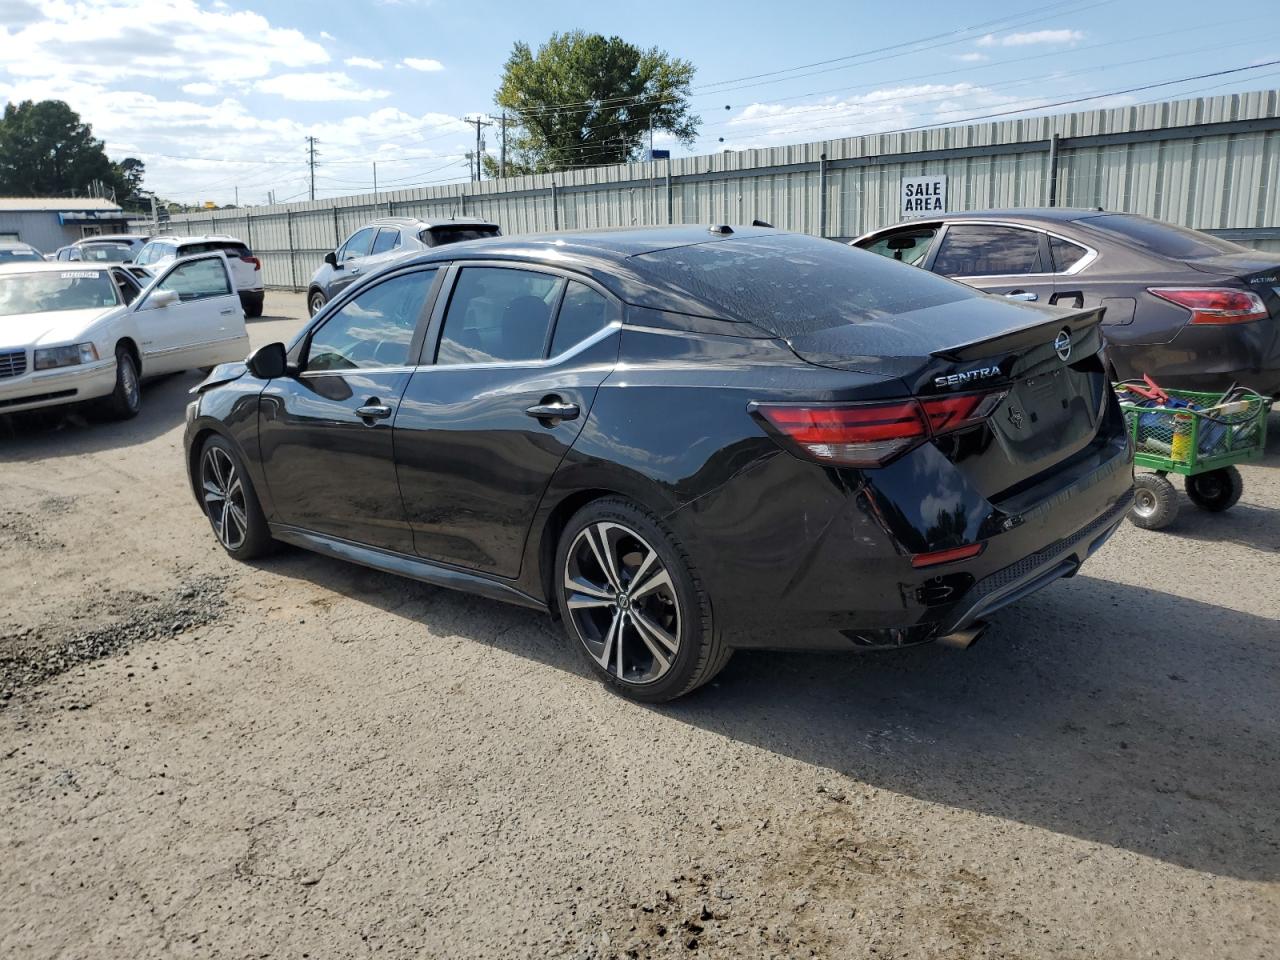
49,224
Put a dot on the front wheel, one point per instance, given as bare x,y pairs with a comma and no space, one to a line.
633,604
125,400
1215,490
230,502
315,301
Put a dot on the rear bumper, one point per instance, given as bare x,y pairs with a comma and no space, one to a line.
51,388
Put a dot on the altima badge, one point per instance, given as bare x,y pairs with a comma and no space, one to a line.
1062,345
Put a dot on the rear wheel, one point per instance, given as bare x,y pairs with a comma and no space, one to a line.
123,402
1155,502
632,602
1215,490
230,503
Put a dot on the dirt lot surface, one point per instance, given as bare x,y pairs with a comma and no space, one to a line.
303,758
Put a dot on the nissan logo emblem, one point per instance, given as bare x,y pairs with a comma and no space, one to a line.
1062,345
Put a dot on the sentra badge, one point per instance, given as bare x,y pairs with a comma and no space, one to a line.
968,376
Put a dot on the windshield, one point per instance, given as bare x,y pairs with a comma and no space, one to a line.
52,290
1163,239
8,256
106,252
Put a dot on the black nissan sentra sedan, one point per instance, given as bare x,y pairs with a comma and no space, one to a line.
681,440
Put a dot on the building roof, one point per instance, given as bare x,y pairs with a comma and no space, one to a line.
55,204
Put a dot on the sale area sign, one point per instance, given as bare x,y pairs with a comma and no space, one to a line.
922,196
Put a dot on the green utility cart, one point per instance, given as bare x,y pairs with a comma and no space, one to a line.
1201,436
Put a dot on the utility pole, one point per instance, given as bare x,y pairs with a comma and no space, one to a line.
375,181
237,195
479,122
502,154
311,162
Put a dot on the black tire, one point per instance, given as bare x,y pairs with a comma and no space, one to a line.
1155,502
241,529
679,601
315,301
1215,490
123,402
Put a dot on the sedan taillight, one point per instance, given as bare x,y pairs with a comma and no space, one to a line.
870,434
1215,305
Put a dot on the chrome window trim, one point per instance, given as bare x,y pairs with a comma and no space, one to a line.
1090,253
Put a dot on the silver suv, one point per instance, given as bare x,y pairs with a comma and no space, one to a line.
382,241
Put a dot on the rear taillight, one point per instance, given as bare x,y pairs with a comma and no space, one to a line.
1215,305
870,434
257,264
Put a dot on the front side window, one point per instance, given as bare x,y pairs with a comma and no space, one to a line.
498,314
358,245
582,313
909,246
988,250
388,239
197,280
375,329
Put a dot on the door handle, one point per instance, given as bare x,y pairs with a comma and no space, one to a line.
355,271
1075,296
554,409
1025,296
227,313
373,410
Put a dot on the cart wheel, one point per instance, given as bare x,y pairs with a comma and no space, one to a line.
1155,502
1215,490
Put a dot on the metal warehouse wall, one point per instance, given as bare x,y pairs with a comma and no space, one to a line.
1211,163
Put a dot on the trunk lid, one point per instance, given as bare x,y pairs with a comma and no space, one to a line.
1046,366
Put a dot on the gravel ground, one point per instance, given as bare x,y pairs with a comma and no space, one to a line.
303,758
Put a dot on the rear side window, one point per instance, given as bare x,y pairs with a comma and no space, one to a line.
197,280
388,239
1065,253
498,314
582,313
1162,239
988,250
909,246
374,329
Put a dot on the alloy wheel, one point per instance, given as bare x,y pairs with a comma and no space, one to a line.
224,498
622,602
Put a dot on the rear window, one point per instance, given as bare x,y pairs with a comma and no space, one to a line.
791,285
1162,239
10,255
438,236
230,247
106,252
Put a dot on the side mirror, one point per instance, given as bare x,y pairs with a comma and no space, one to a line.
331,258
268,362
163,298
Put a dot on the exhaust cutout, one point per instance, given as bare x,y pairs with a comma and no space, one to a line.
966,638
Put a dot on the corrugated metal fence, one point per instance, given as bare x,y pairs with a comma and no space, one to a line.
1209,163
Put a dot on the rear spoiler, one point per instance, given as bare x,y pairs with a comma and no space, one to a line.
1021,339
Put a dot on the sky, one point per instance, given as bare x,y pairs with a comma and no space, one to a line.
219,96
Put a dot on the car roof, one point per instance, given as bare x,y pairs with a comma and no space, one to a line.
114,237
418,223
200,238
1028,215
15,245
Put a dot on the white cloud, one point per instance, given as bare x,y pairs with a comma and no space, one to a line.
322,87
365,62
200,89
425,65
326,35
1027,39
971,57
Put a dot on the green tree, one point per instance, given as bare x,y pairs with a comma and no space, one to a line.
586,100
47,151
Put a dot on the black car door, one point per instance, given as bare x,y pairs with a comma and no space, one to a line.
997,258
511,368
326,433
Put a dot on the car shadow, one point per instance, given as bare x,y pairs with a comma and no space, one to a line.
73,430
1257,528
1109,712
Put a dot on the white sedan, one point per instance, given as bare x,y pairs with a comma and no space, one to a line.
75,332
